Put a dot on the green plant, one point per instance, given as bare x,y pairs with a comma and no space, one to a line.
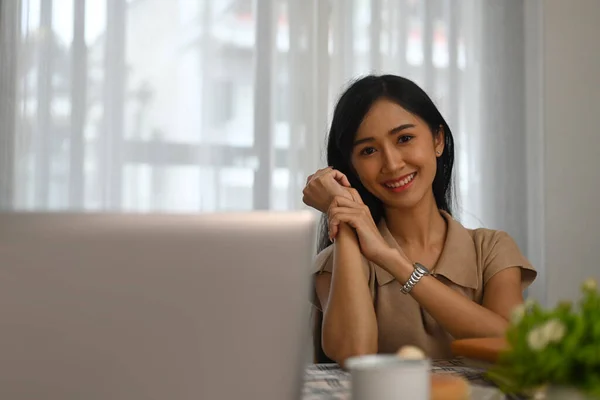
559,346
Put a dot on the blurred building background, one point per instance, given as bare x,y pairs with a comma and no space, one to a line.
219,105
152,104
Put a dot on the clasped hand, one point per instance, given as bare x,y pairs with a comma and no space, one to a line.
358,216
328,190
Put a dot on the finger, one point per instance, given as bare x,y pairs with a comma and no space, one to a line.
322,172
348,218
333,229
337,211
355,196
341,201
337,217
345,210
317,174
340,178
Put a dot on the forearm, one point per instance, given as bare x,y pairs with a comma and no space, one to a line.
458,315
349,321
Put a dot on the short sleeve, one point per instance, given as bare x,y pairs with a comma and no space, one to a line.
324,263
505,253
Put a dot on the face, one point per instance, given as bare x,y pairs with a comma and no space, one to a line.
394,155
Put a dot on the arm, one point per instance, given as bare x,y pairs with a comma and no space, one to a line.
461,317
349,322
458,315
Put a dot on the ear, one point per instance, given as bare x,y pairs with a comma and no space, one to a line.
439,140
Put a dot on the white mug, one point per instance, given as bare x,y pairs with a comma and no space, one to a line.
387,377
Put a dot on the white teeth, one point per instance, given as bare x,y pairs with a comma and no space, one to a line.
403,182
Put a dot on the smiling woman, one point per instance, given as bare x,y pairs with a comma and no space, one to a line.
401,271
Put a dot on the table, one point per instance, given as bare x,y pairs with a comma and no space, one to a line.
328,381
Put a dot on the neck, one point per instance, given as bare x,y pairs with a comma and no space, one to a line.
421,226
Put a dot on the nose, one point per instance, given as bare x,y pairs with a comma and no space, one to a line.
392,160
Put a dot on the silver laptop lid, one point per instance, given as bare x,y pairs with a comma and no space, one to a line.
154,306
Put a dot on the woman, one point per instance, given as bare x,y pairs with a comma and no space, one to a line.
394,267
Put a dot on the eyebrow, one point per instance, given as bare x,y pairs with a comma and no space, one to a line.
392,131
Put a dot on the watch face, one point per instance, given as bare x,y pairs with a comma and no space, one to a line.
422,268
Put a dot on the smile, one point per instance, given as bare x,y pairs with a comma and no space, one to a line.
401,183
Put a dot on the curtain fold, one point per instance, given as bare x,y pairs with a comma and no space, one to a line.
10,12
216,105
502,149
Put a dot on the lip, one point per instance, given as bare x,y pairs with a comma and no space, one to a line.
401,188
392,181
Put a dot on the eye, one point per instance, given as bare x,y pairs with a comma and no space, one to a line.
405,138
367,151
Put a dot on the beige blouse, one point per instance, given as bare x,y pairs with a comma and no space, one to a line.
469,259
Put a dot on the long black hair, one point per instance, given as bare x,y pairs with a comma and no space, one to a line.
349,112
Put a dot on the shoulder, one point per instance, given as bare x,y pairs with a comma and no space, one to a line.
491,250
490,241
481,240
498,251
489,238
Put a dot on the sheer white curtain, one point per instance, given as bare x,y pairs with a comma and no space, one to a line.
211,105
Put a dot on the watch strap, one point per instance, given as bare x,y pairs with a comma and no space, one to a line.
419,272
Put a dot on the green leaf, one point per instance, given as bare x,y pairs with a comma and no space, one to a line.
573,361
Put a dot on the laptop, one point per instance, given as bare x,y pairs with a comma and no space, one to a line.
132,307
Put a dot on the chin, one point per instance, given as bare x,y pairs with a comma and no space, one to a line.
401,205
407,199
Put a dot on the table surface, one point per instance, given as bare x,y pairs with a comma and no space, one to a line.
328,381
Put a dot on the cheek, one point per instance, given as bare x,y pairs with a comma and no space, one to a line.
429,163
423,157
366,170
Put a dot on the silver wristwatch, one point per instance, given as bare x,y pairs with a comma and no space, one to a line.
419,272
